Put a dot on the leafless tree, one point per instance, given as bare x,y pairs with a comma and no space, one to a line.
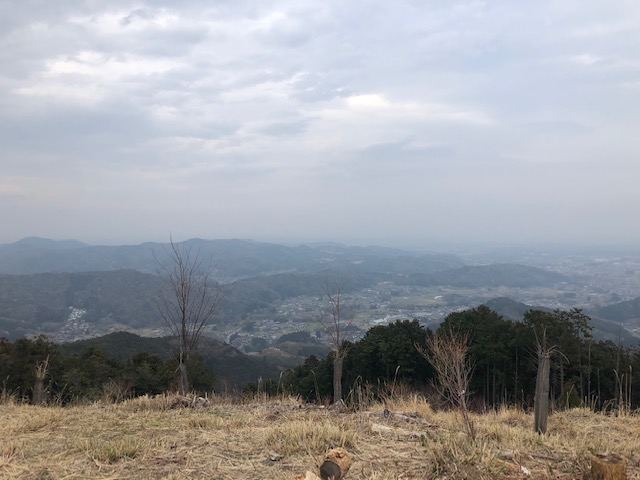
41,370
188,301
331,319
449,355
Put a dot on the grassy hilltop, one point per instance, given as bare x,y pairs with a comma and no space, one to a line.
278,439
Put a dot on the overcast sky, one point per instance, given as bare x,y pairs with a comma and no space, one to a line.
365,122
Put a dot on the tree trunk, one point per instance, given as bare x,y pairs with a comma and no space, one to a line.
41,370
493,388
541,401
562,380
184,379
337,377
38,391
515,386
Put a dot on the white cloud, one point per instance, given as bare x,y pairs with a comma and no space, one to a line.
318,105
585,59
126,21
372,100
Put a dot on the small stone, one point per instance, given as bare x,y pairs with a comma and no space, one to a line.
275,457
506,455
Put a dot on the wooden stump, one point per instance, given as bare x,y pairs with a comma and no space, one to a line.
608,467
336,464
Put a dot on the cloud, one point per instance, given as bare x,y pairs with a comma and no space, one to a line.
274,110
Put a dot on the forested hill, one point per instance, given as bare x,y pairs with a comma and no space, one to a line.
233,259
623,312
229,366
604,328
502,274
53,303
511,309
87,304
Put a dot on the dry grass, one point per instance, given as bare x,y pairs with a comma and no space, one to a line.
145,439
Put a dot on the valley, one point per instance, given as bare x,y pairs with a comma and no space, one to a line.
273,290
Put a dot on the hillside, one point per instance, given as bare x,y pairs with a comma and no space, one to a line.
623,312
602,329
233,259
146,439
67,306
229,366
64,305
511,309
501,274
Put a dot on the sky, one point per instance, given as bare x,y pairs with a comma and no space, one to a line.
362,122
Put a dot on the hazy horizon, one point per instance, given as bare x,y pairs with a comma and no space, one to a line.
497,249
404,123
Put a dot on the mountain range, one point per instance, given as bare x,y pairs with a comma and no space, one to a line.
68,289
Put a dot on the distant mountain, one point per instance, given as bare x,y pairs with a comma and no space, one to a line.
602,329
497,275
39,243
229,365
623,312
67,306
72,305
233,259
511,309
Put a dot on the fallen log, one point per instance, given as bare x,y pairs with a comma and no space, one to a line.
336,464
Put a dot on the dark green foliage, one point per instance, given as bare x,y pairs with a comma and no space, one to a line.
491,343
134,366
388,352
384,354
598,374
150,374
312,380
17,369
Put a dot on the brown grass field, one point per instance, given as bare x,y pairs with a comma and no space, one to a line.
279,439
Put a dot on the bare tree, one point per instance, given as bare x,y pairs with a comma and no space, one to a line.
188,301
449,356
41,370
331,319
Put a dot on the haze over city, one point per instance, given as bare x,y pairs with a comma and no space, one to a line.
360,121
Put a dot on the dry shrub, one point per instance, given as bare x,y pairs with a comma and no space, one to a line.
6,397
310,436
458,456
361,396
8,451
111,451
415,403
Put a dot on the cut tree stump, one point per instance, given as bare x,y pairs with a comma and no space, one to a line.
608,467
336,464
